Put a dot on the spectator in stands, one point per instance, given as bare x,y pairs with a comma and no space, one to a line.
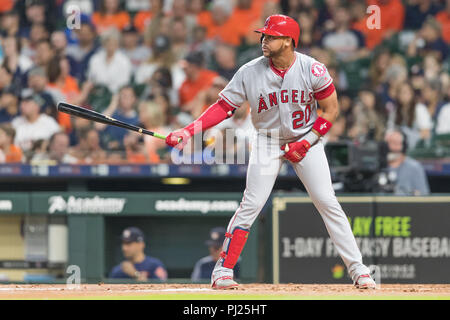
179,38
6,78
160,84
206,97
58,71
110,15
108,63
10,23
158,24
325,15
57,151
443,17
80,125
206,46
179,15
131,47
347,43
81,52
416,11
203,268
163,57
16,62
392,16
44,53
6,6
378,67
411,117
443,120
88,149
38,33
32,125
153,119
58,41
245,13
134,148
219,26
137,265
197,77
225,58
406,174
9,152
369,123
429,40
196,7
34,13
122,108
143,18
38,81
395,74
432,98
9,105
308,35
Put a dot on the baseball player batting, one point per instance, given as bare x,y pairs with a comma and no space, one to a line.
282,88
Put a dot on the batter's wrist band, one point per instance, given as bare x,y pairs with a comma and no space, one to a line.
311,137
137,274
322,126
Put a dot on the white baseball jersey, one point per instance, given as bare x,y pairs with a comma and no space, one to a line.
286,103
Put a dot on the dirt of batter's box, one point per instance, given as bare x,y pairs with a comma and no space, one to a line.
45,291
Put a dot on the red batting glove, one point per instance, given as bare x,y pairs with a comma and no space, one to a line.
296,151
173,139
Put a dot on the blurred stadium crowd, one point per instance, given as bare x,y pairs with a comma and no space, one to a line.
160,63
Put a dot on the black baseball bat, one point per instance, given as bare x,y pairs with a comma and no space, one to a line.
98,117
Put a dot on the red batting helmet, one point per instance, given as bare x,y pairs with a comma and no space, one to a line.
281,25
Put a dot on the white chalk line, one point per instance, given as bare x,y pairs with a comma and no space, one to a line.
105,290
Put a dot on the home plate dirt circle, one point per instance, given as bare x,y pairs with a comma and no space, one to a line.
203,291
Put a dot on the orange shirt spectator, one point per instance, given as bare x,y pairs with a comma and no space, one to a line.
69,87
142,20
110,15
6,5
191,87
152,119
59,78
443,18
14,155
138,158
392,16
197,77
219,26
246,13
9,152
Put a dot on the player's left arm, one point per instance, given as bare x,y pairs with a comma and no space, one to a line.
330,108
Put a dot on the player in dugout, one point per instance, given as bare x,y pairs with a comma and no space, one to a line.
137,265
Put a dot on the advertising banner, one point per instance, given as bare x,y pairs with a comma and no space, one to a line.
403,239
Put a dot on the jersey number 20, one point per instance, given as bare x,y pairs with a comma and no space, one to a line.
300,115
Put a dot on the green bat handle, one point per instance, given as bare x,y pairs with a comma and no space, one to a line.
160,136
